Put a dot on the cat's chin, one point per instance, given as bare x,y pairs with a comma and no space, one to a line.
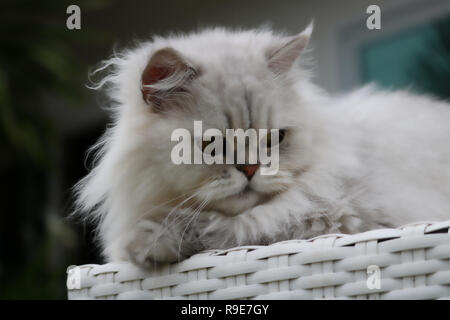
238,203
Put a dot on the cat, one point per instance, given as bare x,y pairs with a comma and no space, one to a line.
347,163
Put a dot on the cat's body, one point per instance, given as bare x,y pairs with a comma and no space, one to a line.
348,164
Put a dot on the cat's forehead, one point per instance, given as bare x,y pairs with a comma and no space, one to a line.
239,101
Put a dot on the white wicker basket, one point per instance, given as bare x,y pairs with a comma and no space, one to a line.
414,263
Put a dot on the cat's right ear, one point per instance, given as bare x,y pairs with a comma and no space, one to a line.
282,56
166,73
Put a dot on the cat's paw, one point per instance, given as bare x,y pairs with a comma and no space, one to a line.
148,246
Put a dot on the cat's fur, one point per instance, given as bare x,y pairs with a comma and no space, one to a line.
348,163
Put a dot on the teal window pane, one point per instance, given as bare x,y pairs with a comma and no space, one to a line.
417,59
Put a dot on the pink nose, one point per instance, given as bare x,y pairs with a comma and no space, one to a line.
248,169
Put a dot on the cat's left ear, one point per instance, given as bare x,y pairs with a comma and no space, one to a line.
281,57
167,72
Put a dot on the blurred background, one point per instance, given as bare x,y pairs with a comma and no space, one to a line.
48,118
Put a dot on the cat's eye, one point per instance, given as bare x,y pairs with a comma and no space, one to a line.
281,135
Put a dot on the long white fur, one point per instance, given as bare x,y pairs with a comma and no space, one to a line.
353,162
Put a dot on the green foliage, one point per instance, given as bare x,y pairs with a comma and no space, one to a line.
38,59
37,56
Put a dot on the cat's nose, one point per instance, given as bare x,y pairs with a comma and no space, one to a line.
248,169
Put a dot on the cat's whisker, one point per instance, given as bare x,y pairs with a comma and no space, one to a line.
167,224
196,193
179,219
194,216
175,198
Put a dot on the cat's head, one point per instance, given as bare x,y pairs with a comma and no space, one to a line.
226,80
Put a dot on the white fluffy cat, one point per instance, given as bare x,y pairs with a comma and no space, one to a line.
347,163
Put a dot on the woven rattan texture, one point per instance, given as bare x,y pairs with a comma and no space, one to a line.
414,263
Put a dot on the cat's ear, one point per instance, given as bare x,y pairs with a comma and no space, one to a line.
282,56
166,72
